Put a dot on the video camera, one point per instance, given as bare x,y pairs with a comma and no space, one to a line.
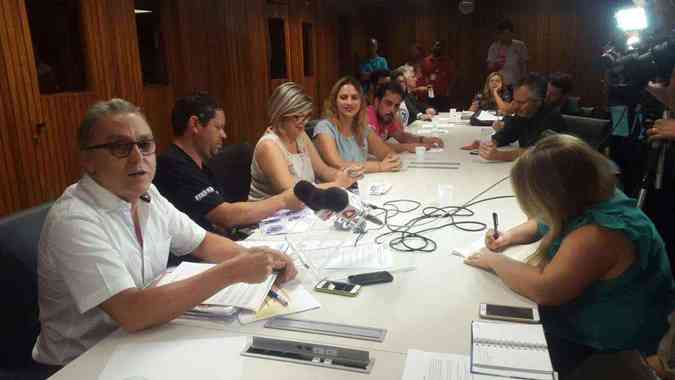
651,60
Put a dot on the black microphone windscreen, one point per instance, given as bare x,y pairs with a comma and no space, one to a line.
308,194
335,199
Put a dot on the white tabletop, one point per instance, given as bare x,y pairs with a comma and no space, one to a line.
429,308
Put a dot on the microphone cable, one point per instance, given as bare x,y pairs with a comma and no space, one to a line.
407,237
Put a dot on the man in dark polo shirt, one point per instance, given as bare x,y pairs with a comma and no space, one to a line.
532,118
198,124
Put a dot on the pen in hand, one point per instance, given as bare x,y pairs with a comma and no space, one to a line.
495,233
277,296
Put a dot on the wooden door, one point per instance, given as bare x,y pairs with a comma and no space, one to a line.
25,127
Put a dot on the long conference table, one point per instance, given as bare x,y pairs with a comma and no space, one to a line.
429,308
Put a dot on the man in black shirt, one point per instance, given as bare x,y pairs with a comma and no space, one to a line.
412,110
182,177
558,94
531,120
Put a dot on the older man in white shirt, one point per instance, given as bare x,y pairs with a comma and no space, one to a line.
109,236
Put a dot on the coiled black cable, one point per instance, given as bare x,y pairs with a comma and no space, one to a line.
408,237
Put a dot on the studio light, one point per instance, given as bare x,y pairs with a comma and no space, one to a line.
631,19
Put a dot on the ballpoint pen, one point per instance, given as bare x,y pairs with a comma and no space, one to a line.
277,296
495,234
297,252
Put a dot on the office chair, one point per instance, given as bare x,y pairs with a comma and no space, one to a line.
593,131
232,171
19,236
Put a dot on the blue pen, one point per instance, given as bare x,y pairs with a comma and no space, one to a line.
276,296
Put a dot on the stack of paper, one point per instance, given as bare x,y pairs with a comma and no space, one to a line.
241,295
421,365
297,297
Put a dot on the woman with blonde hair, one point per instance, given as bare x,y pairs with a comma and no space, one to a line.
285,155
494,97
603,279
344,138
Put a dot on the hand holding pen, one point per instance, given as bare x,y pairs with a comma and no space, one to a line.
494,240
275,294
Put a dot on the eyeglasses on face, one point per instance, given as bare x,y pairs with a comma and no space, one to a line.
299,119
123,149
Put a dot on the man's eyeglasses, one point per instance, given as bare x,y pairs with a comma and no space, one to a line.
123,149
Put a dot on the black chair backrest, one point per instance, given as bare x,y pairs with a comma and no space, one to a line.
309,128
232,170
594,131
19,236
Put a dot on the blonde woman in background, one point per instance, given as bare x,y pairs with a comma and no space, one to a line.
285,155
495,96
603,281
344,138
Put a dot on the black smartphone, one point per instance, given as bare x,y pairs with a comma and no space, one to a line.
371,278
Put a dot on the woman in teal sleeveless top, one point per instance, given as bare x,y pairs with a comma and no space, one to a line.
602,277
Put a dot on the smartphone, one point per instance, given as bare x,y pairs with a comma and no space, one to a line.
509,313
339,288
371,278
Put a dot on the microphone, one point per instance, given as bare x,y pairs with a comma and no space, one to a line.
145,197
351,210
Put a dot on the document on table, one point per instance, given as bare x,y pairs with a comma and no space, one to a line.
518,252
241,295
288,222
370,256
298,298
421,365
177,359
279,245
488,116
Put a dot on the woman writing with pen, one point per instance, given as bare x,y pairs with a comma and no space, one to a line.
602,277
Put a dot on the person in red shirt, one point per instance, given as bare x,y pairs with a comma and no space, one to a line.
381,118
438,72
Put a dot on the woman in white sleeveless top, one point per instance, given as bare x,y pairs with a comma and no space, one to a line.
285,155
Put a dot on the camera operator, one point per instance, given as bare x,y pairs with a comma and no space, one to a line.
660,204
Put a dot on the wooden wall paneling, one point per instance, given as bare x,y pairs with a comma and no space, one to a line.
259,73
561,36
123,52
100,76
327,47
22,98
157,105
9,191
158,100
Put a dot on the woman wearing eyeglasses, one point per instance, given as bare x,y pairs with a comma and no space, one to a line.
285,155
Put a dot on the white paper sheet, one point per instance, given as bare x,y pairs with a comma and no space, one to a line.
288,222
279,245
488,116
298,298
421,365
518,252
177,359
241,295
371,256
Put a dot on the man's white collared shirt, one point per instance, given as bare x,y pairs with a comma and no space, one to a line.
89,252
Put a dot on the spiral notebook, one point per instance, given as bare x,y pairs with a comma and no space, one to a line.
510,350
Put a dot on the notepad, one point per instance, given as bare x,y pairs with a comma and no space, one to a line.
241,295
510,350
